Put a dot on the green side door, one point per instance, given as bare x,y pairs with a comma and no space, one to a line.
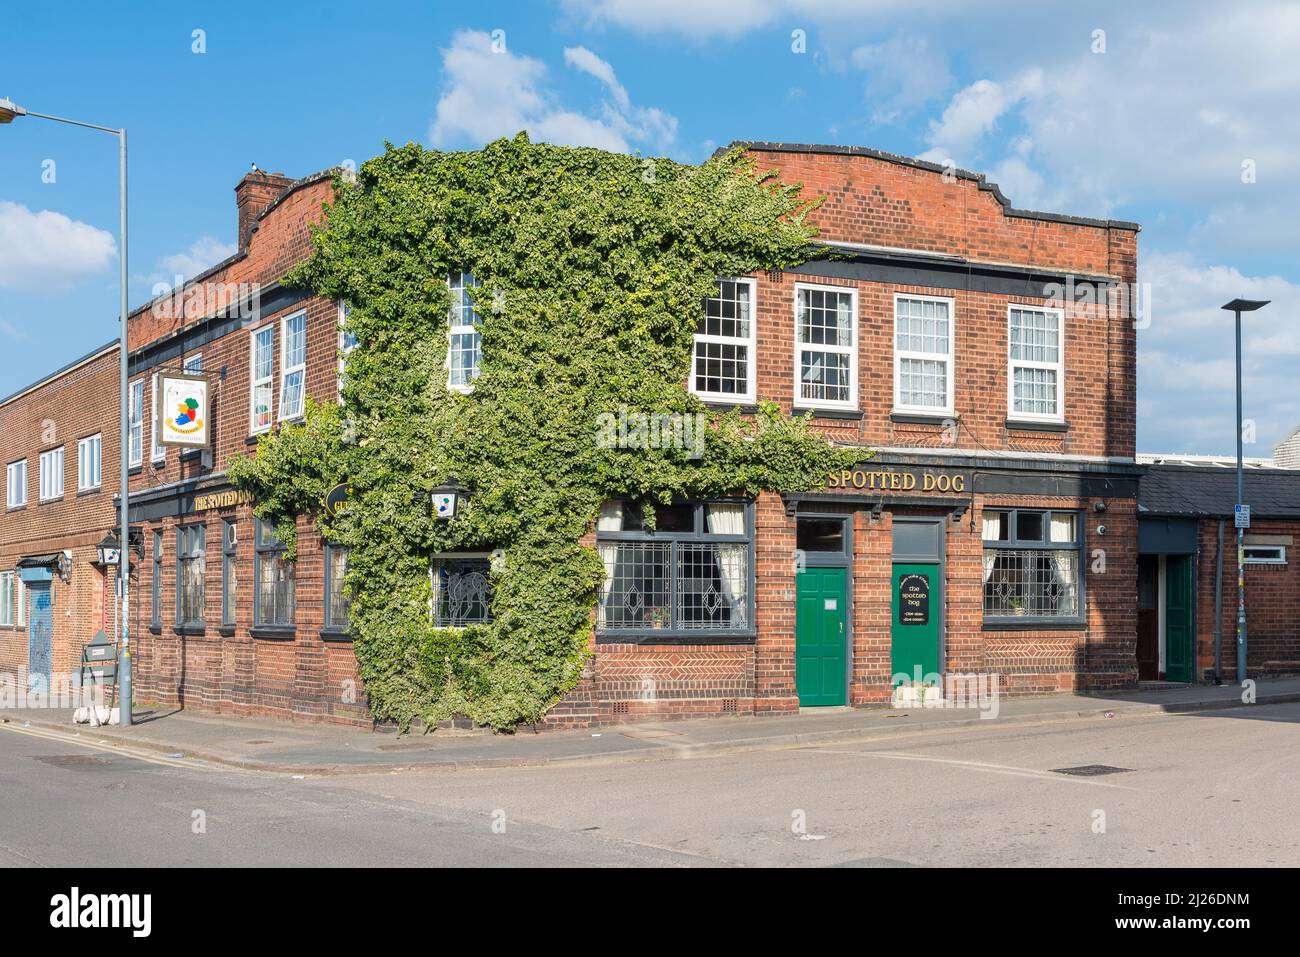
914,629
1179,662
820,637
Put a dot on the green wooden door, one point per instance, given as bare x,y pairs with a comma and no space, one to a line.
820,637
1179,663
914,632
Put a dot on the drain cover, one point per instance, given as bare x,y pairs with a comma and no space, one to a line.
1090,770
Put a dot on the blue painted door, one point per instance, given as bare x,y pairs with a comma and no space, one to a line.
40,626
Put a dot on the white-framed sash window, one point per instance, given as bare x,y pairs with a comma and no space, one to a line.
723,367
16,484
135,424
826,354
1036,363
90,462
924,354
261,375
464,341
293,365
52,474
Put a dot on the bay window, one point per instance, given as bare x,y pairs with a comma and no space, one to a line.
689,576
723,358
826,360
1032,565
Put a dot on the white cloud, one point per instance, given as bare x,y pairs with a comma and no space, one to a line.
729,19
973,113
47,251
491,92
1186,361
904,72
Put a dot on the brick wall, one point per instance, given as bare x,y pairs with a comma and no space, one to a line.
1272,603
59,411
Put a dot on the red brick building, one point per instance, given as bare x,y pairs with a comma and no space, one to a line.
1187,571
59,441
988,355
984,353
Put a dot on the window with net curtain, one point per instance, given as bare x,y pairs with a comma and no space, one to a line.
1032,564
690,575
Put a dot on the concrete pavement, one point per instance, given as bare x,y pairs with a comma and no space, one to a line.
327,749
1205,789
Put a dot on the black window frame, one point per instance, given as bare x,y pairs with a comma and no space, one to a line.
483,559
155,616
266,544
187,552
229,571
675,633
1014,543
330,627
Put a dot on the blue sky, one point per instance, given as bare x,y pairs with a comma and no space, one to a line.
1178,116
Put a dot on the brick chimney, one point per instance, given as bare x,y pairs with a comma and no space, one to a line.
255,192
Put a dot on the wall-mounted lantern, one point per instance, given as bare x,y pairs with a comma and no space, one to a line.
448,497
109,552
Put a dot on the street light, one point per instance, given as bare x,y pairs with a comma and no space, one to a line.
1241,517
10,111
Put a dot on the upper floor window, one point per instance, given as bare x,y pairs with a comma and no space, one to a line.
89,462
16,484
347,342
135,424
1036,366
923,354
157,451
826,356
52,474
465,342
1031,564
194,364
293,366
260,375
723,365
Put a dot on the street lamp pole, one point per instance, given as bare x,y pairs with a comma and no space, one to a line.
1237,307
10,111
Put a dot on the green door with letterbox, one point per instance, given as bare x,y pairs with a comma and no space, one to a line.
820,636
914,632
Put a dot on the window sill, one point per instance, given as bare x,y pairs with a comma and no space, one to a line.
89,491
158,463
253,437
821,412
1024,425
662,636
923,418
191,455
194,628
155,629
279,632
226,631
1034,624
16,508
335,634
744,406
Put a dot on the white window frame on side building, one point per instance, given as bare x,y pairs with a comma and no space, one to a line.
1057,366
16,491
948,357
135,424
705,339
90,454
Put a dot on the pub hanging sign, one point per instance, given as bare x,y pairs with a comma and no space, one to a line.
181,411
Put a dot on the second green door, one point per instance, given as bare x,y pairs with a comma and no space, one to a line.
820,638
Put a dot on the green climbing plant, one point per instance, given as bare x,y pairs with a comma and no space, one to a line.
592,269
